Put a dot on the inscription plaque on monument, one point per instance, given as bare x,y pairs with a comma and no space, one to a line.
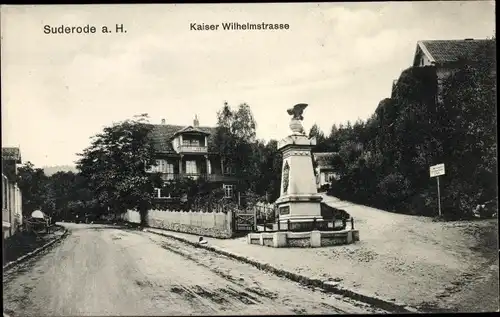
284,210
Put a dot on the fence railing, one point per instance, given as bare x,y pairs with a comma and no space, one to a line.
323,225
207,177
193,149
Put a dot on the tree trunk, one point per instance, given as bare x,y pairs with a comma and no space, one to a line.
143,212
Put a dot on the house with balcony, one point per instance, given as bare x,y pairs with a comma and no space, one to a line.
183,152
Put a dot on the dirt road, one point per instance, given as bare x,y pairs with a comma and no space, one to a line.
99,270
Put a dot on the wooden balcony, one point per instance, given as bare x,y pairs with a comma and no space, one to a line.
192,149
207,177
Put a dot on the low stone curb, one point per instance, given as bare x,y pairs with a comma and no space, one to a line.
325,285
35,252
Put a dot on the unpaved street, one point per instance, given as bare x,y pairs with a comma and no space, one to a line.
99,270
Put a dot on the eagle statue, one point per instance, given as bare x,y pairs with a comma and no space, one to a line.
297,111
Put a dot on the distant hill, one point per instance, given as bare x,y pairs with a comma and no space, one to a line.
49,170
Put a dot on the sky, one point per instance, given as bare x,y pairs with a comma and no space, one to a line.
58,90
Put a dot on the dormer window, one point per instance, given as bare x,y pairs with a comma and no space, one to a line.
193,142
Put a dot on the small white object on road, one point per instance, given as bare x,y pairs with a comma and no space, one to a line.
201,241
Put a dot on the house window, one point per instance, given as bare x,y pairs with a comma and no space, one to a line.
158,192
228,190
185,142
160,167
195,142
169,168
191,167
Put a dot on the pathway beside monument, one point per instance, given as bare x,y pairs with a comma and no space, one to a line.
416,259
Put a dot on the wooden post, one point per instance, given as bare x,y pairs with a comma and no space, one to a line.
439,196
255,219
352,223
278,220
180,165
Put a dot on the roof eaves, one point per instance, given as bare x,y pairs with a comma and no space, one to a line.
424,49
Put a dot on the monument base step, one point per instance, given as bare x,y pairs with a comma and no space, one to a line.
304,224
310,239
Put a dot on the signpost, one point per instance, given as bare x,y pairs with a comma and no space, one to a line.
436,171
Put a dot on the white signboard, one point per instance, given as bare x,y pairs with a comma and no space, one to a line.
436,170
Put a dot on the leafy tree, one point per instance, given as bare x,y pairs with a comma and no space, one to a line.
32,184
115,166
321,141
235,140
410,132
268,182
467,131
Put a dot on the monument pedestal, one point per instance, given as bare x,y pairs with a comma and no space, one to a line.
299,203
300,222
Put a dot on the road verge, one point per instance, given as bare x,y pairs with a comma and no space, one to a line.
327,286
31,254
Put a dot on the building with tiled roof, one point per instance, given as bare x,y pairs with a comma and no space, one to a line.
325,172
446,52
183,152
12,154
445,55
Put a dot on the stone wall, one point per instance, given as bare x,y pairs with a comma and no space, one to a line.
216,224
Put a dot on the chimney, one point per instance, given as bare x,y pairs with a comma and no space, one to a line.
196,123
162,121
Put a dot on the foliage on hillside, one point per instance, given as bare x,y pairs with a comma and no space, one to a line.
410,132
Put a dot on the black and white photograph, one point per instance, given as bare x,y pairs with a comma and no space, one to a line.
199,159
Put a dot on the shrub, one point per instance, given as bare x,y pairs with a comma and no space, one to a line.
394,189
324,188
424,203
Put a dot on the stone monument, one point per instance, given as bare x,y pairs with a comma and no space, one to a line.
299,201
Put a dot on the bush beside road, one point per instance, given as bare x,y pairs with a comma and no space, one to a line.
23,243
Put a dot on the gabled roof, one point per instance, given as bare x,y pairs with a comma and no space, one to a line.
324,158
11,153
162,134
446,51
192,129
